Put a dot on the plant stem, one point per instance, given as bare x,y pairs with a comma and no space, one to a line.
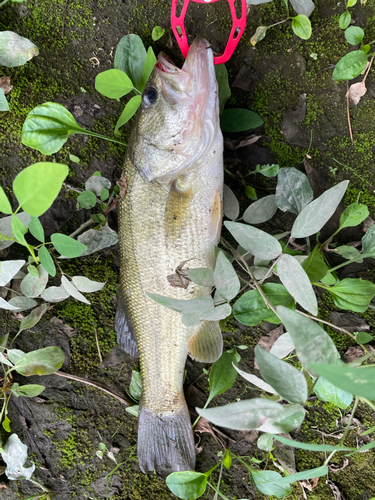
99,136
81,228
3,3
341,442
327,323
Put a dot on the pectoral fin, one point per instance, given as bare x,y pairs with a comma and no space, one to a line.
216,218
126,337
206,344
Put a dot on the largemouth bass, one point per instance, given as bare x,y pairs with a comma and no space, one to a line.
171,213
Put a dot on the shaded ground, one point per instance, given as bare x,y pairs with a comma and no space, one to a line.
303,109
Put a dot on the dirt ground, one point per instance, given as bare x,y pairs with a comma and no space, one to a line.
289,83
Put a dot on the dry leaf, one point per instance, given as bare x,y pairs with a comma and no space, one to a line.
356,91
314,481
123,185
336,492
249,436
233,144
180,278
259,34
3,486
2,470
335,468
367,223
5,84
58,326
352,354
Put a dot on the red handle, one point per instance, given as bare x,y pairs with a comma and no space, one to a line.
238,27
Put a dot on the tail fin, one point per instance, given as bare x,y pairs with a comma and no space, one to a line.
165,441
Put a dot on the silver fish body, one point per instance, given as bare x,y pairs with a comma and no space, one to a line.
171,213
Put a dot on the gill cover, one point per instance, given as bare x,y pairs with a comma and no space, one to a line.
179,116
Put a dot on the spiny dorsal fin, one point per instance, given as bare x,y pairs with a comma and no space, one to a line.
206,344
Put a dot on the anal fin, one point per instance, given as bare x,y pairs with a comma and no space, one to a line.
126,337
206,344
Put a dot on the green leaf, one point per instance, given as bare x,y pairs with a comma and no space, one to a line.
148,66
96,183
104,194
265,442
259,34
353,294
258,382
32,286
187,485
293,190
86,285
250,309
15,50
133,410
306,474
344,20
329,392
15,354
283,346
19,230
22,303
72,290
15,456
368,243
302,27
87,199
128,112
315,265
74,158
350,66
113,83
287,381
4,106
41,362
202,276
255,241
356,380
33,271
33,318
48,126
261,210
157,33
191,310
222,374
135,387
225,278
6,228
310,447
97,239
47,261
256,414
267,170
363,338
4,360
30,390
354,35
67,246
303,6
315,215
231,204
353,215
239,120
296,281
5,207
224,88
36,229
351,3
312,343
268,482
55,294
8,269
130,57
251,193
349,252
38,185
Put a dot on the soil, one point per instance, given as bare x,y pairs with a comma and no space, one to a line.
289,83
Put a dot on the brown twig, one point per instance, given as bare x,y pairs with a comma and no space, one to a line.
81,228
122,400
347,111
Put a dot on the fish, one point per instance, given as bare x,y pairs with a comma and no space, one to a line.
171,214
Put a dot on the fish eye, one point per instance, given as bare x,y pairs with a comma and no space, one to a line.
149,96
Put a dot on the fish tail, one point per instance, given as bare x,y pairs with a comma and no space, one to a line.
165,441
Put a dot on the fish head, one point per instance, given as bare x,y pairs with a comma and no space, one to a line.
178,120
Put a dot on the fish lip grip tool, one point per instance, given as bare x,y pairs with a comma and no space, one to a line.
238,27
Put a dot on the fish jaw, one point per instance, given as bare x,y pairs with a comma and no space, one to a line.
178,128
